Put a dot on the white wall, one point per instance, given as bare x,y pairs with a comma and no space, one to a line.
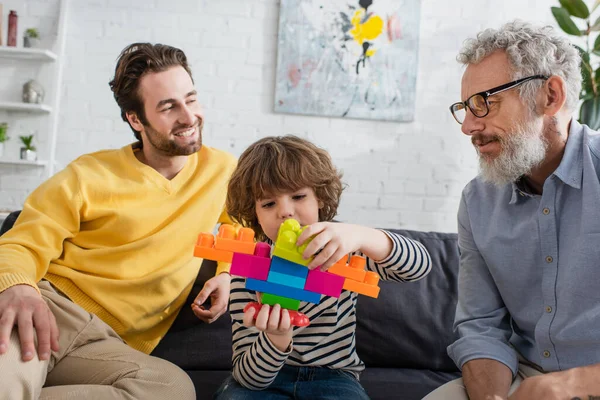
407,175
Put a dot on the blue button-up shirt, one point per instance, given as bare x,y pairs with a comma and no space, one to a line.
529,276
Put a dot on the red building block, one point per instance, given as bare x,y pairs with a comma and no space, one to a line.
252,266
324,283
296,318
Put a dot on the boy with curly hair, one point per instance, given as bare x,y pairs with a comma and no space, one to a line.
278,178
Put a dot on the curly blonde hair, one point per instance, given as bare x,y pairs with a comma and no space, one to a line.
281,164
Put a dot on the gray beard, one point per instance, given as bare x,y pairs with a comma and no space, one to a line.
522,150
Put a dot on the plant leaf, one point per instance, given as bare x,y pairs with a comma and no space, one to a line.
596,25
589,113
587,83
576,8
565,22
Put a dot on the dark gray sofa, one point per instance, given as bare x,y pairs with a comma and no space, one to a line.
401,336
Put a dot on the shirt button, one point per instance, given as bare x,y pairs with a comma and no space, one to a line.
546,211
548,309
549,259
546,354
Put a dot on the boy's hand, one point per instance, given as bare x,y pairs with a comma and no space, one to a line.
275,324
335,241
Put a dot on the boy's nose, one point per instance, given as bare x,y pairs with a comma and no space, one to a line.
286,212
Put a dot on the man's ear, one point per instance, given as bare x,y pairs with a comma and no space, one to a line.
134,121
554,95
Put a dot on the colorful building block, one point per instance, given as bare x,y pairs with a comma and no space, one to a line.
205,249
324,282
285,245
284,302
286,280
368,287
281,290
354,270
252,266
286,267
241,242
296,318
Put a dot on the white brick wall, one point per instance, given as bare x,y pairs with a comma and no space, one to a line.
407,175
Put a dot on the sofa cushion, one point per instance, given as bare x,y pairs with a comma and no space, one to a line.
410,324
192,344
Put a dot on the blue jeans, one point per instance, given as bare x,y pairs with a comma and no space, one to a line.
299,383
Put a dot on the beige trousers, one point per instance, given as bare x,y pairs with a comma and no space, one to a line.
92,363
455,390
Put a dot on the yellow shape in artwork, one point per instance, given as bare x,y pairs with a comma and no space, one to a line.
368,30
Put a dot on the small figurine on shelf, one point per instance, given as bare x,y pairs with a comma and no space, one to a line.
3,136
31,38
28,151
33,92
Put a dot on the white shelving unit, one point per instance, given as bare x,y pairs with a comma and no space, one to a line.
38,163
51,109
25,107
17,53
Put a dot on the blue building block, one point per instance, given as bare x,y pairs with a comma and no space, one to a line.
286,280
281,290
283,266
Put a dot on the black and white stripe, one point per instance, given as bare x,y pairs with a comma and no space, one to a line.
329,341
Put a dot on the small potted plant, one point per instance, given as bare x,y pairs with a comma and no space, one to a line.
32,38
3,136
28,150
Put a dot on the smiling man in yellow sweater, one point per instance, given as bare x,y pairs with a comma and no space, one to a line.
99,262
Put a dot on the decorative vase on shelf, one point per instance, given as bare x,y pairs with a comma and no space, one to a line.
33,92
28,152
31,42
31,38
28,155
12,29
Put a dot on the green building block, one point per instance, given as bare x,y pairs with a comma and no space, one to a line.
284,302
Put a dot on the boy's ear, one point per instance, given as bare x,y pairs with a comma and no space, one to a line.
321,204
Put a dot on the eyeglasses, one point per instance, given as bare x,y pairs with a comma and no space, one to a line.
478,103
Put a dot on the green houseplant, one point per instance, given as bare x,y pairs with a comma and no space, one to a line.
28,150
575,18
3,136
31,38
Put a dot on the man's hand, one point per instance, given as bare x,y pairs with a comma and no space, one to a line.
217,288
23,306
576,383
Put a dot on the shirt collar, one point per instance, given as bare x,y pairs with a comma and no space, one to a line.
570,169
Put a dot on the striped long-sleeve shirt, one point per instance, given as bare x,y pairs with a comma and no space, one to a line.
329,340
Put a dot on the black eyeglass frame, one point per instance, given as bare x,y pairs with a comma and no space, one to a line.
487,93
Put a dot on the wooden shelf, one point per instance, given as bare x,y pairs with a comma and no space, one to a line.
38,163
21,53
26,107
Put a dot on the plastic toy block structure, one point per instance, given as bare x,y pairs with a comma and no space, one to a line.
225,244
284,279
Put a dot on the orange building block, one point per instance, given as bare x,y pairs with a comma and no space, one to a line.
205,249
228,240
369,287
355,270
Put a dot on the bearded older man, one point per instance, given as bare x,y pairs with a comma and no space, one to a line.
528,313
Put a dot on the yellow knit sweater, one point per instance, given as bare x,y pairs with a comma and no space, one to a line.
117,237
